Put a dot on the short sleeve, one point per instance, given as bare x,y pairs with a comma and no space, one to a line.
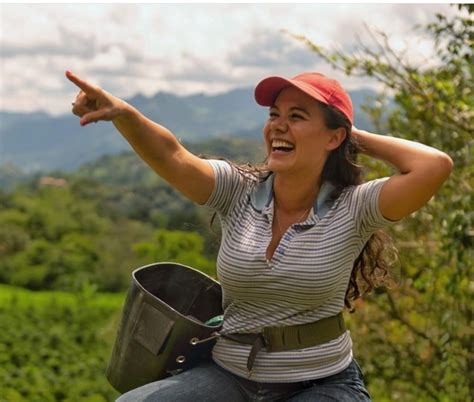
365,206
229,186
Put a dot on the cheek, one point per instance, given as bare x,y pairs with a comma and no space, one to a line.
266,132
312,149
266,129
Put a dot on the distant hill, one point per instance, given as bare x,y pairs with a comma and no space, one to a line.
127,169
38,141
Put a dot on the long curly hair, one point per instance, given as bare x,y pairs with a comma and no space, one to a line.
376,264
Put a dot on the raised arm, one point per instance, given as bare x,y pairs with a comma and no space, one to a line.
422,170
155,144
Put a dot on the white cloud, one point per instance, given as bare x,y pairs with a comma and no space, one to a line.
112,59
183,48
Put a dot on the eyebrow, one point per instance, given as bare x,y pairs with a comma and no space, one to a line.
294,108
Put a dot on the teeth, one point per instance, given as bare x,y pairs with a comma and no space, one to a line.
282,144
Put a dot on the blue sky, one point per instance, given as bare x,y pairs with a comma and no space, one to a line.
183,48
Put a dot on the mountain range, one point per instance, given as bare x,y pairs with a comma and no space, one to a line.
40,142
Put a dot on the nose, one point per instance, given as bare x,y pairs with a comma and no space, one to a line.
279,124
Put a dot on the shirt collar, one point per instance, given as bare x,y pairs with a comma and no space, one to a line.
262,197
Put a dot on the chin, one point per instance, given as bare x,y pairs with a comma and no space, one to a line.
277,166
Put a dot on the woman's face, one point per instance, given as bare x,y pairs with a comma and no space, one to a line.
296,137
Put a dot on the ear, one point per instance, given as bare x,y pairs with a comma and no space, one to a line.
336,137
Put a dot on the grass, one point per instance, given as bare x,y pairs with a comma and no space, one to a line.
25,297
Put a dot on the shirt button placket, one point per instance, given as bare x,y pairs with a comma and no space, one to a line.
284,244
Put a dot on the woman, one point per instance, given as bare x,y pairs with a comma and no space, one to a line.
295,236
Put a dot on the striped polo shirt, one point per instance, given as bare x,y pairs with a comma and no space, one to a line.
306,279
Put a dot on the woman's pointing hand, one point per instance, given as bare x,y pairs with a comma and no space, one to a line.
92,103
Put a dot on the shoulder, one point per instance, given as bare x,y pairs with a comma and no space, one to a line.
362,197
246,172
232,184
367,189
363,202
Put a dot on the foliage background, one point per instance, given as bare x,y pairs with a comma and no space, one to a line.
67,240
415,342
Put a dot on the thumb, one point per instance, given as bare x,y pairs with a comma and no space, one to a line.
94,117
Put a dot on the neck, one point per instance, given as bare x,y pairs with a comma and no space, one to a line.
295,195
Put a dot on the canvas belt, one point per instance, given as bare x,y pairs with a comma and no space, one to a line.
280,339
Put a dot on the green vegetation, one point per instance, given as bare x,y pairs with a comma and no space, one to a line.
75,235
415,342
54,346
83,227
54,239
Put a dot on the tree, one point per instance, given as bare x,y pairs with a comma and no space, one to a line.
177,246
51,238
416,341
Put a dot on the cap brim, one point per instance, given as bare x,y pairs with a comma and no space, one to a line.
268,89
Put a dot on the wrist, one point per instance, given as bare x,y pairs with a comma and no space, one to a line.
125,113
360,139
357,132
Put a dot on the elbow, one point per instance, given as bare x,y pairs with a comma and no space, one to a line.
443,167
447,164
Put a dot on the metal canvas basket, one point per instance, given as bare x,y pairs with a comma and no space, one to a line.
163,323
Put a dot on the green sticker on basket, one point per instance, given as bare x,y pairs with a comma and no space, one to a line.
215,321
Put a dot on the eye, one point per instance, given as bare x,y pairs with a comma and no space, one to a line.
272,115
295,116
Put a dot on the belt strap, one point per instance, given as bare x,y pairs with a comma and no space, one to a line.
279,339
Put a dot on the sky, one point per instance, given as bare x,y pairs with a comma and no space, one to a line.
185,48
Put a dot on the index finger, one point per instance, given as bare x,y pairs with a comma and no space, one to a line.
85,86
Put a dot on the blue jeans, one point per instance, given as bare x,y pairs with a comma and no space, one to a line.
209,382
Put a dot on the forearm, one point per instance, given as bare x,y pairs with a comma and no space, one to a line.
406,156
422,170
154,143
160,149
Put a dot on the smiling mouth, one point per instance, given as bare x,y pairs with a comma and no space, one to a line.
282,146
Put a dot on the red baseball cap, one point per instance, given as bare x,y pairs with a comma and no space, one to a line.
316,85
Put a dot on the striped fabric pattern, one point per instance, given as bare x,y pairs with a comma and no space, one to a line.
305,280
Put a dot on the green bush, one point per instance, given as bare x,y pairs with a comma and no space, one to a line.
415,343
177,246
55,346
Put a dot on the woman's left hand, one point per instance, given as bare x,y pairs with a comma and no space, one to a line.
421,171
